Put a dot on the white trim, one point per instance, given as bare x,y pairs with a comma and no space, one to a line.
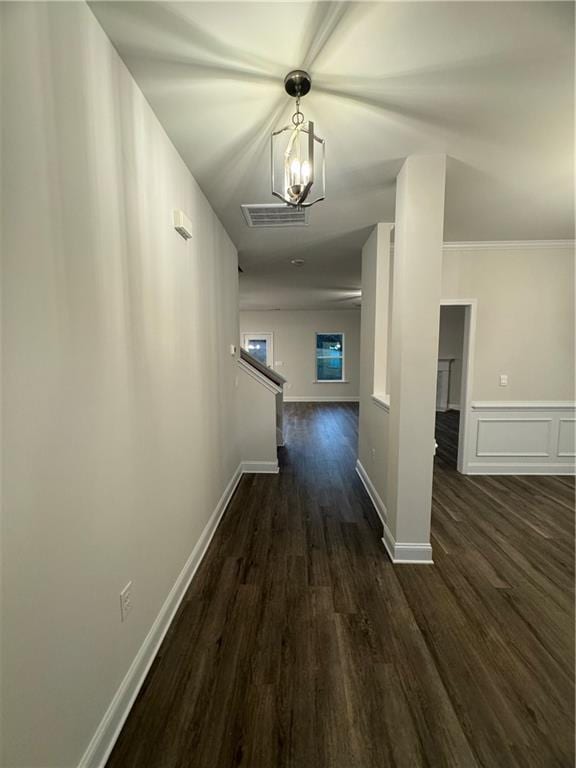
262,467
456,302
491,245
523,405
453,406
322,399
115,716
409,554
382,401
401,553
259,377
330,381
467,375
563,454
379,505
478,468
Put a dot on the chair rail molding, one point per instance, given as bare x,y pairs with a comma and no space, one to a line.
505,245
523,405
511,245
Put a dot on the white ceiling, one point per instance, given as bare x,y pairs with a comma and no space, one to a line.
491,84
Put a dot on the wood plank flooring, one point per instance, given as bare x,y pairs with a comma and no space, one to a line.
300,645
446,432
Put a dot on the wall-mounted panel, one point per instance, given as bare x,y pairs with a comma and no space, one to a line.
567,437
521,438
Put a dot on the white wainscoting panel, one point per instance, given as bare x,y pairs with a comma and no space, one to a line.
566,437
521,438
518,436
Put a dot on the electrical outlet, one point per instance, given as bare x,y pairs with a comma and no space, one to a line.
503,379
126,601
373,451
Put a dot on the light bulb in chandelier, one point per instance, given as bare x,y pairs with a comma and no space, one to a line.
298,154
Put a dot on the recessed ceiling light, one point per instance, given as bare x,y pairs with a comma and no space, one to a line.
297,262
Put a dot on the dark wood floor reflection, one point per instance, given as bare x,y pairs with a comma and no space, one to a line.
299,644
446,432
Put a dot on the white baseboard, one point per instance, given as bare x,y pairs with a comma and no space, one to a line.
477,468
323,399
401,553
408,554
109,729
453,406
375,498
262,467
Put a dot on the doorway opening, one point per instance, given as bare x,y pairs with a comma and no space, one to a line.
454,390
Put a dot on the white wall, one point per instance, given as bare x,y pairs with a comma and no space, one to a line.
524,311
294,346
257,420
118,385
374,415
451,345
525,323
414,322
524,295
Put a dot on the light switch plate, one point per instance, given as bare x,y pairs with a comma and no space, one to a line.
503,379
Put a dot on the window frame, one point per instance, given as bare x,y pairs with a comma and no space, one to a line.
247,335
343,380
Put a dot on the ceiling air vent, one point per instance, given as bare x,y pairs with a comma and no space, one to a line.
267,215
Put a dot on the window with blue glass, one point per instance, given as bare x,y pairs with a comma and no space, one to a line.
329,356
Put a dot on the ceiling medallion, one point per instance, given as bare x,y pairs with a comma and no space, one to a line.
298,154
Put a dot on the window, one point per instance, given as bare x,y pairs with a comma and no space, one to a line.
260,346
329,357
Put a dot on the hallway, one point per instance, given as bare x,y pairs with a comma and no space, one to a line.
299,644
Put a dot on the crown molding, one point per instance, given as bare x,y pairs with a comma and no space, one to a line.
523,405
508,245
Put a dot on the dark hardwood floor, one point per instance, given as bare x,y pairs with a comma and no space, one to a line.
299,644
446,433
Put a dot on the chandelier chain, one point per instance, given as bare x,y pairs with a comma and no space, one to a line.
297,117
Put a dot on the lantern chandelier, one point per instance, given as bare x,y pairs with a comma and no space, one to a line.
298,155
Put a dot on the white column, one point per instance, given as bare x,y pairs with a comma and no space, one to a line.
416,289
